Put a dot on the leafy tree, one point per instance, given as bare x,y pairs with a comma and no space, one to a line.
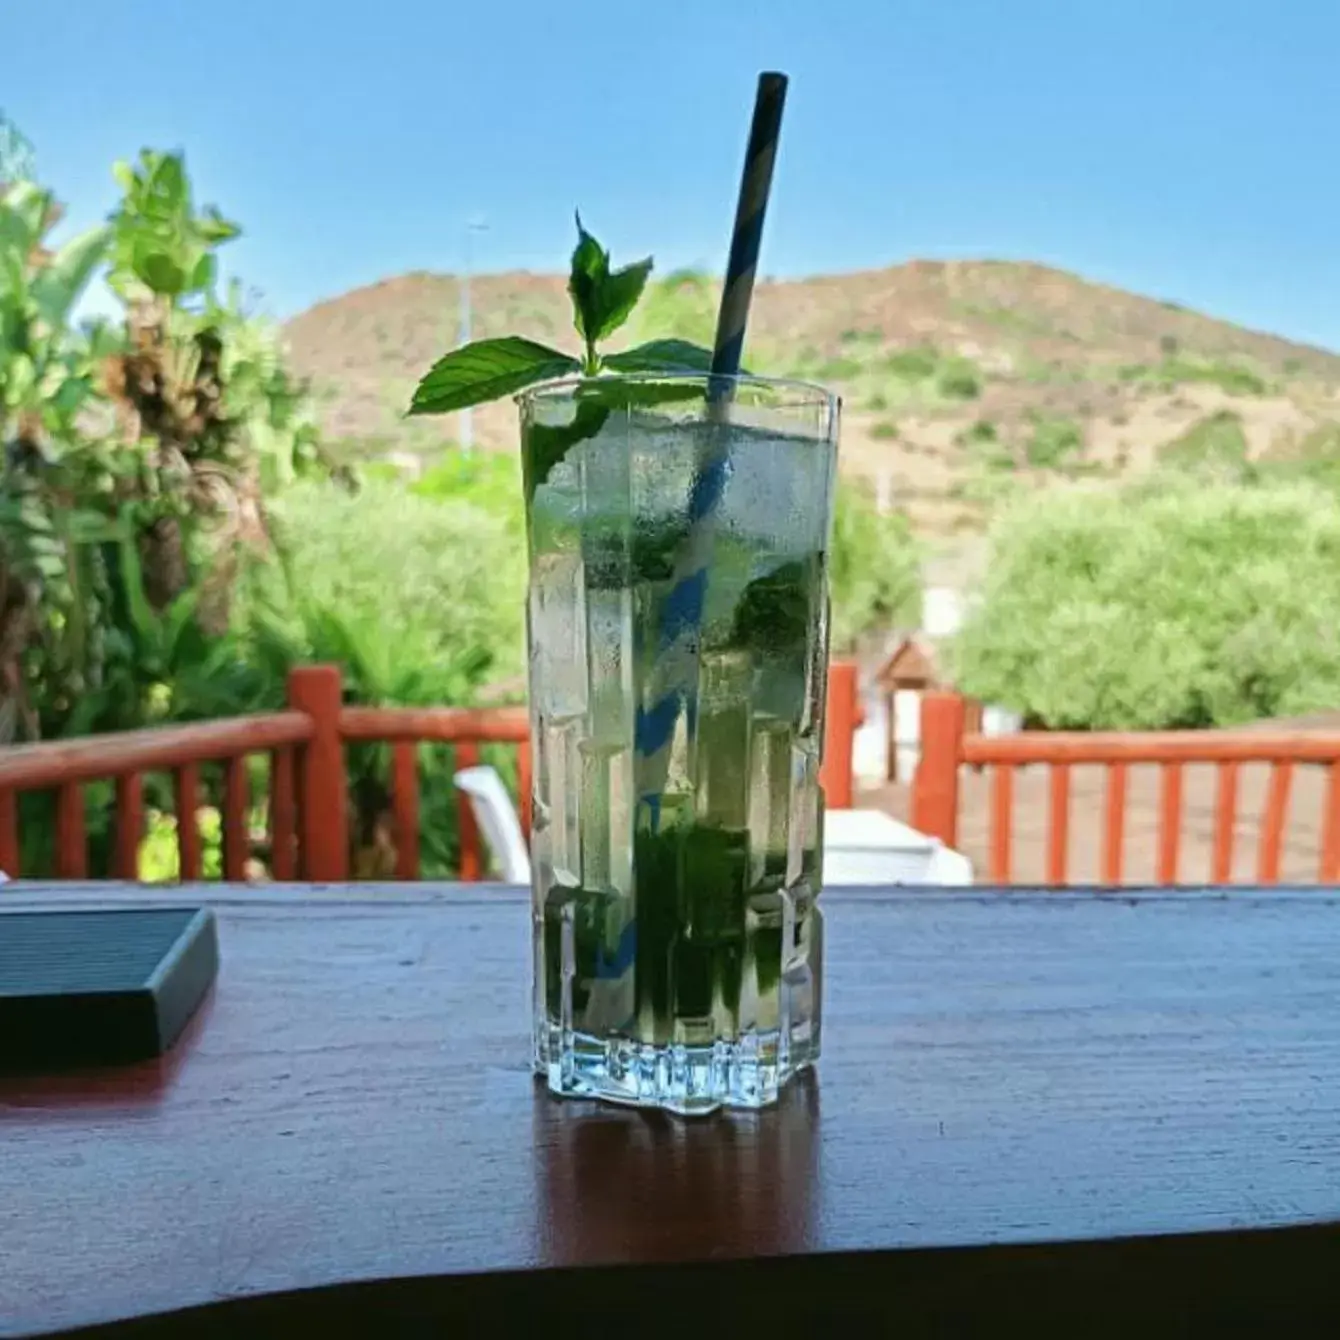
1169,603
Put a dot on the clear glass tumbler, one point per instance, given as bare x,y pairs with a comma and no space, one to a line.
678,633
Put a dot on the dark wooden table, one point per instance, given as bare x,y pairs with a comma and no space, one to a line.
1053,1107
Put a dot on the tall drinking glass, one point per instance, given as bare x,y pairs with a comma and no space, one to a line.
678,642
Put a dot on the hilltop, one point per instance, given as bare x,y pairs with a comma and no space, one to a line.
960,379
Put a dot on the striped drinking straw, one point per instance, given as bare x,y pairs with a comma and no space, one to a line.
676,669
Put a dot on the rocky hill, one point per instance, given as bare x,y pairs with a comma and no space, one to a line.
960,380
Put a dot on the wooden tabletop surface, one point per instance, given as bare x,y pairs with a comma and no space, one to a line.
353,1103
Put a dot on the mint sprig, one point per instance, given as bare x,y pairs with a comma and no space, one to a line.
602,301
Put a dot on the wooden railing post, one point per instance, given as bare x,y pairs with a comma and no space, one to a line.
935,787
842,717
323,816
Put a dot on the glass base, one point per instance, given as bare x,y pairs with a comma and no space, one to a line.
749,1072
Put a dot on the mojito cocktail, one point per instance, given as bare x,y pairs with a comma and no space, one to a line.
678,650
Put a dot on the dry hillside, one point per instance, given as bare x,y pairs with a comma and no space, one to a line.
960,379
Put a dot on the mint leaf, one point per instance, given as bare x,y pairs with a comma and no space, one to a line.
614,393
601,300
618,295
590,271
487,370
662,356
546,445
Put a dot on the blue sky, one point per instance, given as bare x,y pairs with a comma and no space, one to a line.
1182,148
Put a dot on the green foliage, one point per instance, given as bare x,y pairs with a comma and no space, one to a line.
1053,443
420,597
682,305
16,153
1175,371
959,380
602,301
137,453
163,245
1171,603
874,568
490,481
884,431
435,587
1216,445
923,370
913,365
839,369
1314,458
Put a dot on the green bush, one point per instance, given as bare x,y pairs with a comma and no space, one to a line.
874,567
435,587
1174,371
884,431
959,380
1169,603
839,369
421,602
913,365
488,480
682,305
1215,445
1054,442
1314,458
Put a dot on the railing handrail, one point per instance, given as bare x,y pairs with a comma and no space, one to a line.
309,800
946,747
436,725
1137,747
90,758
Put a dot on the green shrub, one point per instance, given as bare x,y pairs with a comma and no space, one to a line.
884,431
1169,603
874,568
488,480
683,305
435,584
1215,445
959,380
420,600
839,369
1174,372
1315,458
1053,443
916,364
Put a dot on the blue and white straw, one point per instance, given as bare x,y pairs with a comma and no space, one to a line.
675,674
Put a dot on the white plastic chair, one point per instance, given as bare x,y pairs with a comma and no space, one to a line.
871,847
498,822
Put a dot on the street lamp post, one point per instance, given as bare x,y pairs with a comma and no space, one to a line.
475,225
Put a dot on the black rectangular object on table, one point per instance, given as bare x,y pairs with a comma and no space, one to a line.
100,988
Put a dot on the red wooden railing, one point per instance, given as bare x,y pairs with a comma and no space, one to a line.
308,791
946,747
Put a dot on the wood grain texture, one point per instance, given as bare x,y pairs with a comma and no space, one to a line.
446,725
354,1104
1002,823
9,833
1153,746
1058,823
28,767
129,824
1170,821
